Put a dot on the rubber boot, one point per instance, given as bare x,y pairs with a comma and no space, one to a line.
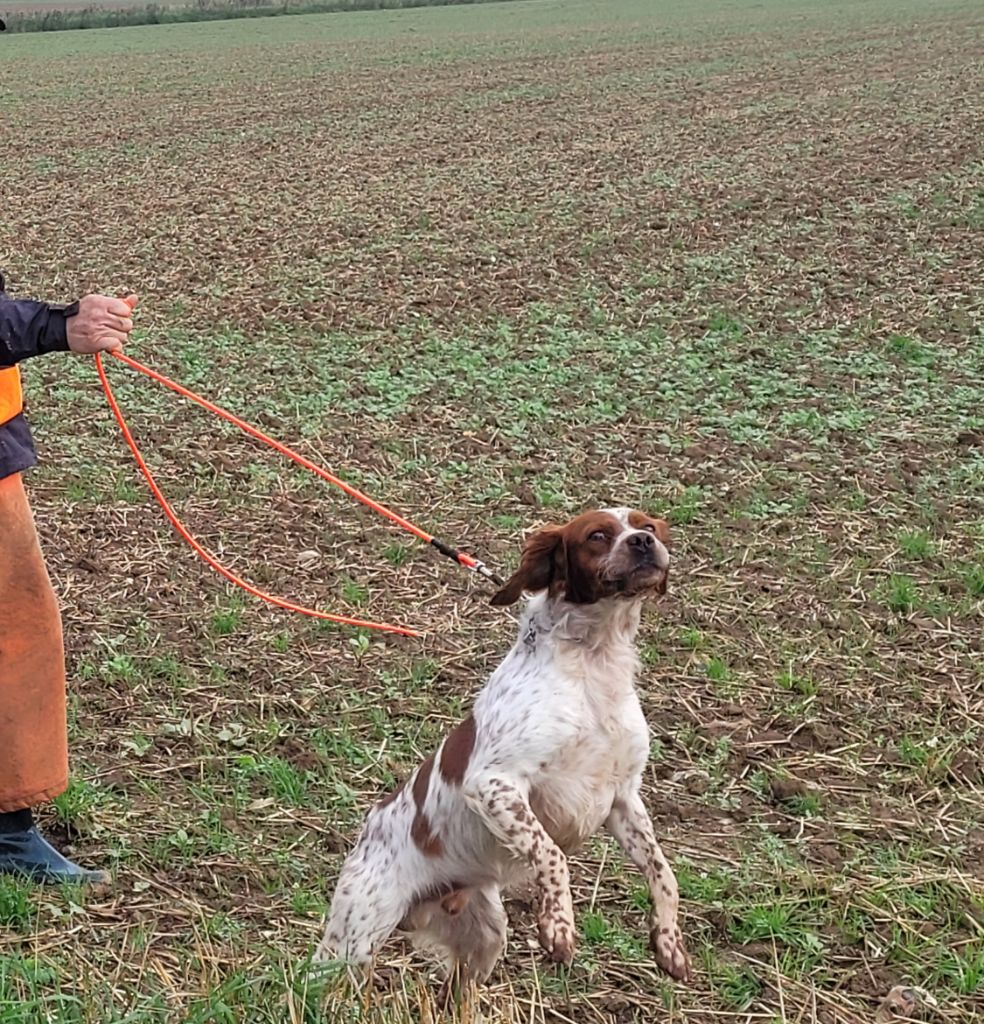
28,853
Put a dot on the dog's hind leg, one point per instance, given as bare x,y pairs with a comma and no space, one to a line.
479,938
468,928
367,907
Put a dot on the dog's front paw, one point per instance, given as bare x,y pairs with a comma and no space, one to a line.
671,954
557,934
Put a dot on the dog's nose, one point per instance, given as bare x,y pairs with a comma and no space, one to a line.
642,541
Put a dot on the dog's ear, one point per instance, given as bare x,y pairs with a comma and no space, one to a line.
582,584
537,567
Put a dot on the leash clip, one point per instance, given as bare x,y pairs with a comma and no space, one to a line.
484,570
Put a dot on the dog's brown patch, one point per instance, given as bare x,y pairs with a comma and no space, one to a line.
457,751
429,844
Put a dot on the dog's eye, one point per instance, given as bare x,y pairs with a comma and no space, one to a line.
650,527
598,535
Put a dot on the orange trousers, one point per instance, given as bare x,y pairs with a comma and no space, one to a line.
33,731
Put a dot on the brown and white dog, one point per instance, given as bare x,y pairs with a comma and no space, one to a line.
554,749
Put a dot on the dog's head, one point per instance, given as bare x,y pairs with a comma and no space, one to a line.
611,553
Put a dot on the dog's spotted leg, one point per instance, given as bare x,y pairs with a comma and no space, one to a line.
629,823
505,809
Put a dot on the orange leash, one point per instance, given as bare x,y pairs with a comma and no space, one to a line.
459,556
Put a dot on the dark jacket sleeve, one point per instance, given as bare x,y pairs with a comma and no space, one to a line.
29,328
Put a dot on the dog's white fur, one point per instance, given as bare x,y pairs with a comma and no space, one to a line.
557,750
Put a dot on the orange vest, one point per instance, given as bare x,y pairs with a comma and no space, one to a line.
11,400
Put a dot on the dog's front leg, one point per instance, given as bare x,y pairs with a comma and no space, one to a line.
504,808
631,826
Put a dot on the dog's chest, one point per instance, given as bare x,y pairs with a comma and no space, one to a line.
573,791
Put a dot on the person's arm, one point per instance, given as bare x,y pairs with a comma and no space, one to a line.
29,328
96,323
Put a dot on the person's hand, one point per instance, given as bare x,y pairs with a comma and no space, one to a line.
102,324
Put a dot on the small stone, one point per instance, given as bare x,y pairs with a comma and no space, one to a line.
308,559
903,1001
